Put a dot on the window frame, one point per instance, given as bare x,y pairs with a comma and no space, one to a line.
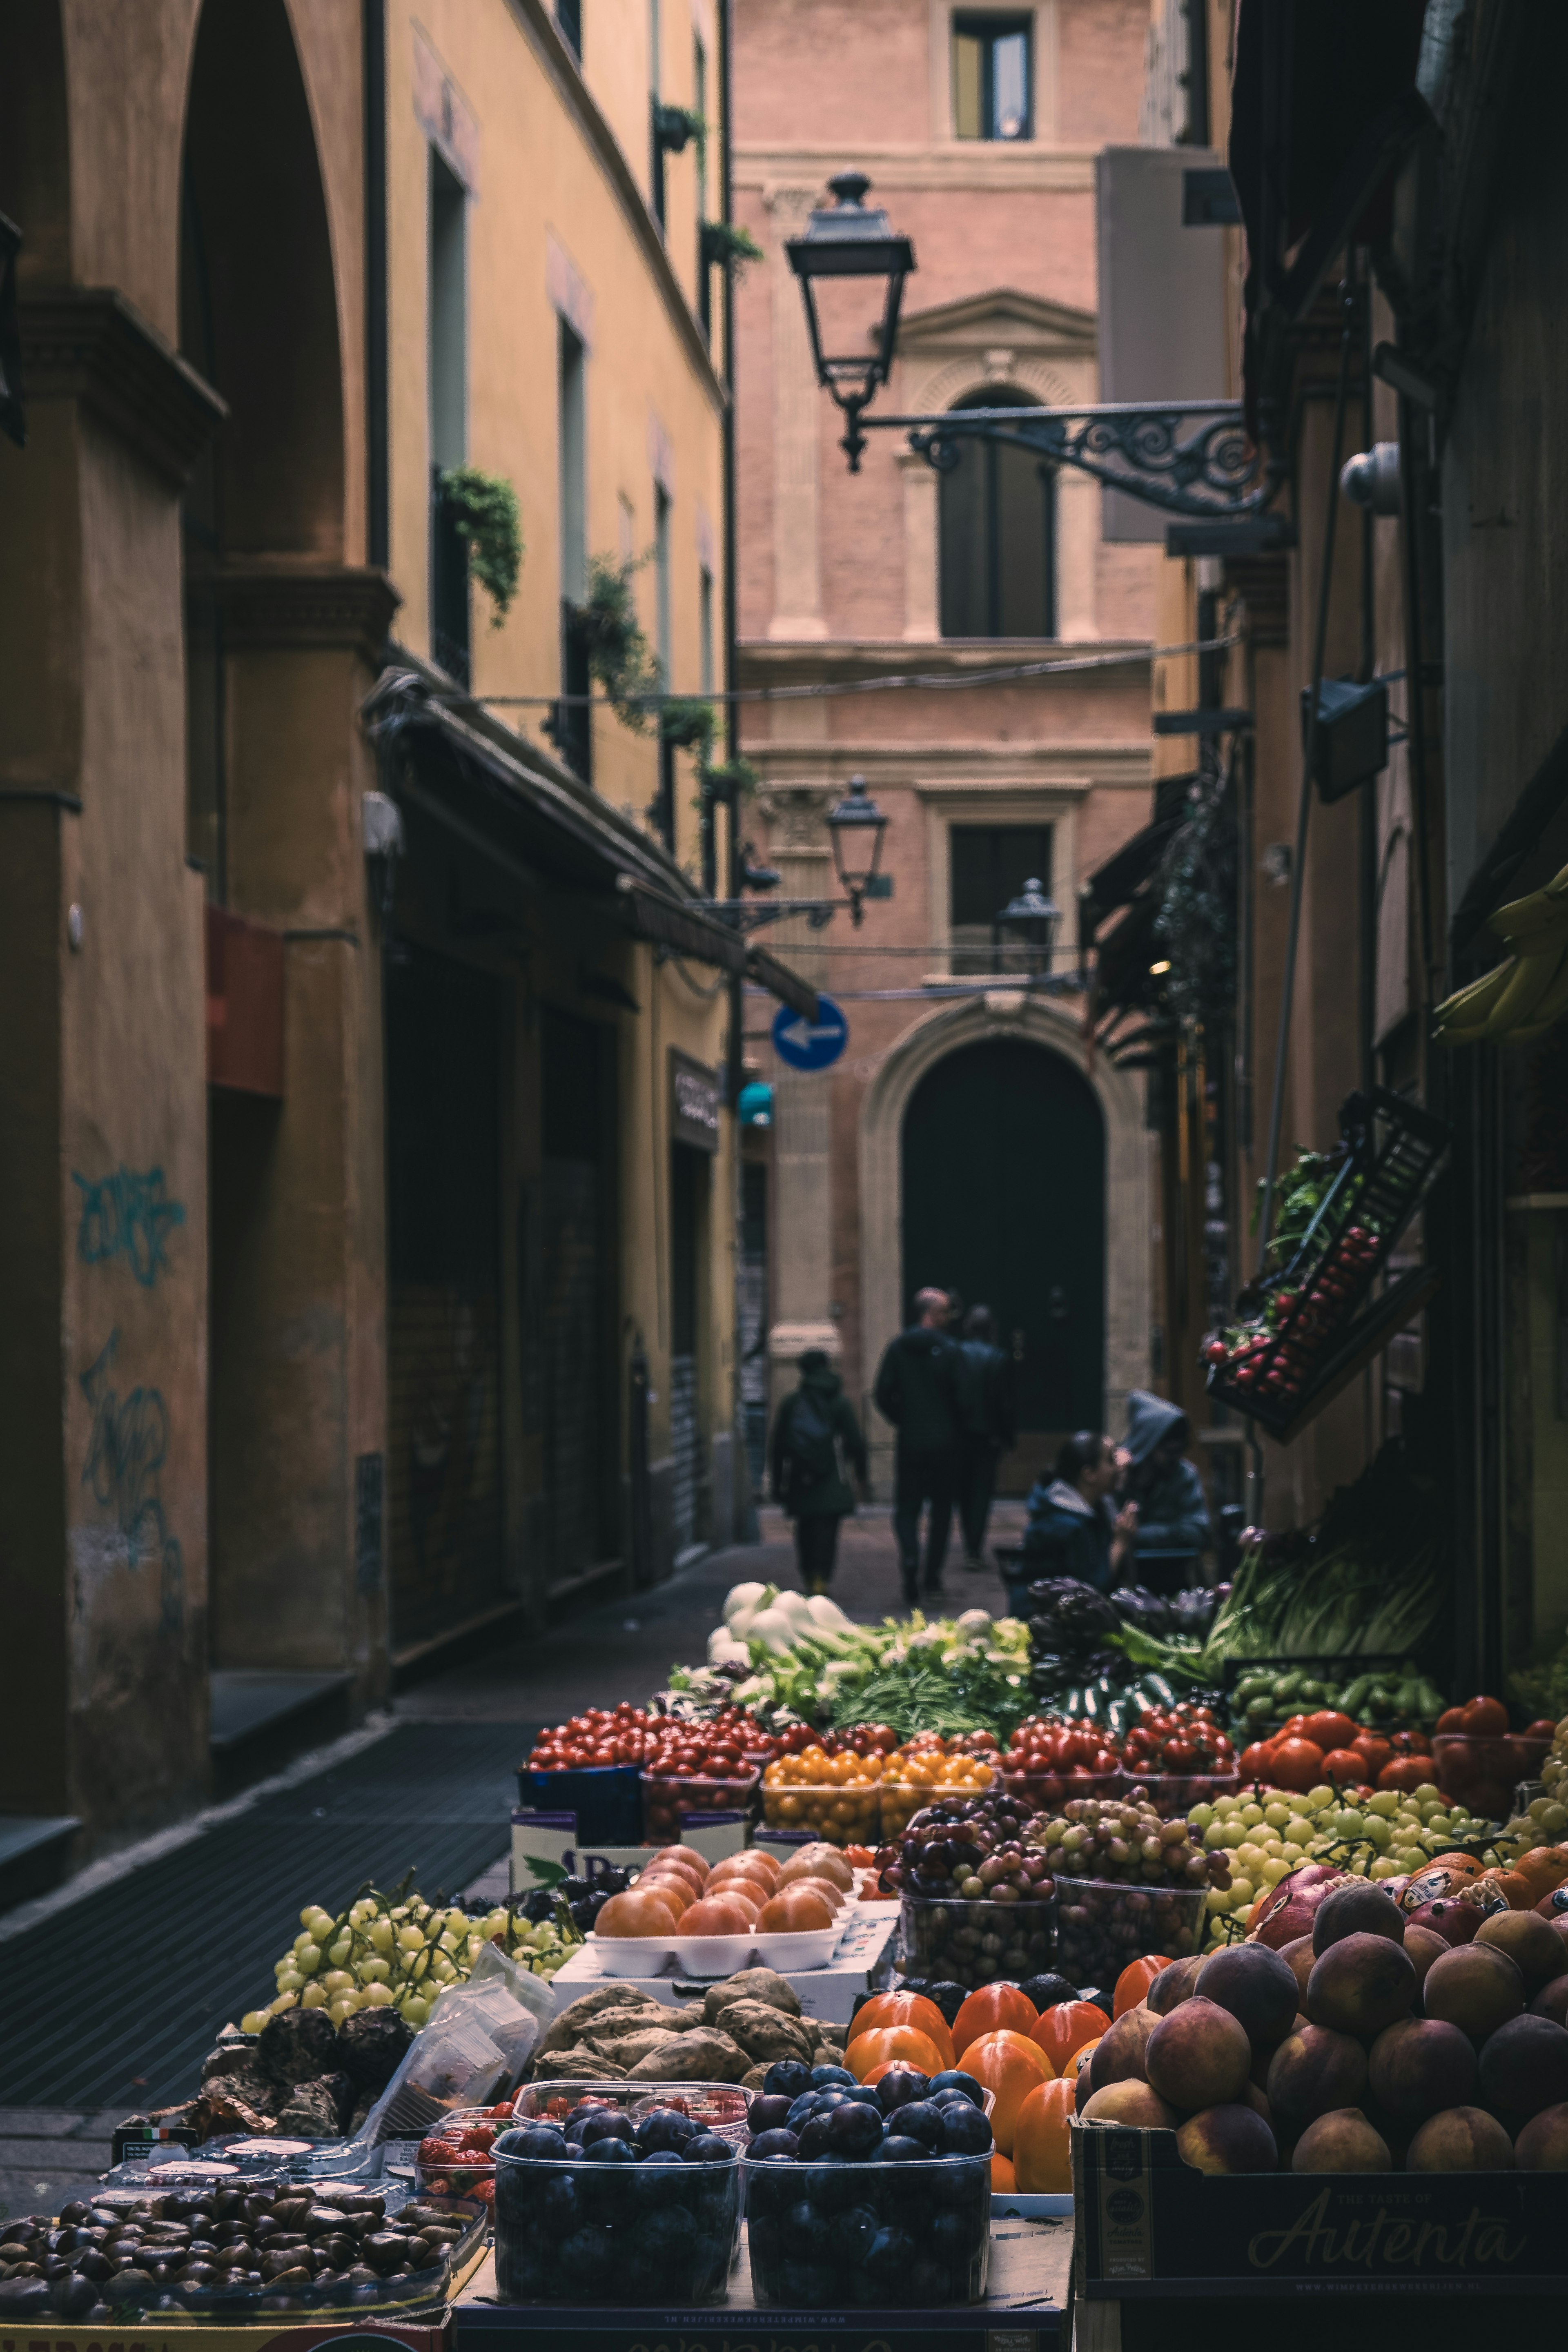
1003,957
989,25
986,457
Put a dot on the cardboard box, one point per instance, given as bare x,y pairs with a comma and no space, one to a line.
862,1962
553,1837
1147,2225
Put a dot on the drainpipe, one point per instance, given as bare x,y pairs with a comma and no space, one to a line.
378,546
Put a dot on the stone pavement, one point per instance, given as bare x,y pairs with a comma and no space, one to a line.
623,1649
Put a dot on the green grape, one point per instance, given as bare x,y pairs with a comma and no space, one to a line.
284,2001
338,1980
411,1939
291,1981
373,1971
341,1952
379,1996
253,2020
382,1935
313,1997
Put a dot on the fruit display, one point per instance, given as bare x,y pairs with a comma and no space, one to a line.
233,2255
1048,1759
929,1770
399,1951
1363,2044
863,2196
1100,1926
977,1902
711,1920
740,2026
839,1797
584,1898
457,2159
1328,1746
1392,1699
621,2200
1476,1756
304,2078
1264,1834
1177,1743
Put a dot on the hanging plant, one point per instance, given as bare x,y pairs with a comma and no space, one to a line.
1196,889
733,780
674,125
488,518
689,727
619,655
727,247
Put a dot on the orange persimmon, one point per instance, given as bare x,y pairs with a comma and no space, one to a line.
1010,2066
1041,2139
988,2010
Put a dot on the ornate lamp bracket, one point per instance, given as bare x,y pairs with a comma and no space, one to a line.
1193,459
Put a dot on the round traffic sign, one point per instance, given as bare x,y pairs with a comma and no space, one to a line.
810,1044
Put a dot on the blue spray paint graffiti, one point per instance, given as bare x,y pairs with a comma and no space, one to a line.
125,1457
126,1215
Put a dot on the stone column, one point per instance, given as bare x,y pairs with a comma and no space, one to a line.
1077,546
802,1271
797,430
921,482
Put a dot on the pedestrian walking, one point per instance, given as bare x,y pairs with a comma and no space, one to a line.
917,1391
1173,1524
1073,1528
811,1427
987,1427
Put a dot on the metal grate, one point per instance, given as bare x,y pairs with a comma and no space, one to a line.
140,1976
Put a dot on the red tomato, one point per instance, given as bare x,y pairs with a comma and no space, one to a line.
1451,1720
1540,1729
1345,1766
1374,1754
1258,1761
1407,1773
1485,1718
1328,1728
1297,1765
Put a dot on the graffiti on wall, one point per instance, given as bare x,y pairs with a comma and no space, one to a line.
125,1456
126,1215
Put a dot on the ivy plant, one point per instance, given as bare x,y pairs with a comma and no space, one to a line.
488,518
674,125
689,727
729,247
619,655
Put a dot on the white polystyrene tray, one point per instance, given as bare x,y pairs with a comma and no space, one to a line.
717,1955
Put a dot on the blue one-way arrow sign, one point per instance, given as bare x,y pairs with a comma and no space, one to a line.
811,1045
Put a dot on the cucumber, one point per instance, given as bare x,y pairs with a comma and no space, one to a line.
1286,1686
1432,1700
1352,1698
1072,1706
1159,1688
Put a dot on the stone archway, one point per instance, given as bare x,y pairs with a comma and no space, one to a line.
1129,1253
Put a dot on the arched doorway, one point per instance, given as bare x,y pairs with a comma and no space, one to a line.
1004,1200
998,534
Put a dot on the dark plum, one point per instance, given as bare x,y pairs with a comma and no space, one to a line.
773,2144
532,2140
851,2234
707,2147
610,2149
889,2256
865,2094
815,2138
833,2078
965,2131
786,2078
664,2128
609,2124
854,2130
924,2121
954,2079
896,2089
897,2148
768,2111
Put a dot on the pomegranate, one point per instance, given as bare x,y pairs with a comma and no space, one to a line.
1289,1909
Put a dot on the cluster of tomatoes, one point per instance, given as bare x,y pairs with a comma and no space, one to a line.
1180,1740
717,1746
1046,1747
1327,1746
459,2161
1260,1358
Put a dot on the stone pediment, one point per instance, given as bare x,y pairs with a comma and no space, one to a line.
1024,322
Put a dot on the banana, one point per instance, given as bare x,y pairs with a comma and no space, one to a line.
1547,1013
1528,983
1469,1006
1522,917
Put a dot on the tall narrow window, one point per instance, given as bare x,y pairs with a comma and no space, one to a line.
448,374
661,621
569,16
998,536
988,865
573,732
655,160
699,107
990,77
705,626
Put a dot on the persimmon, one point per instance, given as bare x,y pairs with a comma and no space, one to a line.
672,1886
1066,2028
989,2008
759,1867
687,1856
1002,2175
719,1914
640,1912
905,2009
1042,2162
795,1911
818,1861
893,2041
1133,1983
1010,2066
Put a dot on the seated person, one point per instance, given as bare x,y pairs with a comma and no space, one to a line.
1073,1528
1171,1516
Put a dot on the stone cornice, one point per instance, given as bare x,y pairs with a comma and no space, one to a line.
88,343
538,22
990,166
1069,767
759,662
267,606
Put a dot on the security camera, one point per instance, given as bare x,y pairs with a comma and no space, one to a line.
1372,479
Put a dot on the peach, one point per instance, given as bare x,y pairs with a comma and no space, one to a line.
1198,2056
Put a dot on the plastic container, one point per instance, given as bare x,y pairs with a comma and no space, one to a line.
605,1798
1172,1792
454,2159
1102,1924
575,2232
869,2236
1484,1773
666,1802
838,1812
973,1943
719,2107
1048,1791
902,1800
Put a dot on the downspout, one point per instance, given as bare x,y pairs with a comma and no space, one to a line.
378,502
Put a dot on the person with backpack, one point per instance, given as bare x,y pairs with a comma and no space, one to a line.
809,1429
986,1427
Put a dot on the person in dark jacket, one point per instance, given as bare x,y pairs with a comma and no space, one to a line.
809,1430
1172,1517
917,1391
986,1427
1073,1528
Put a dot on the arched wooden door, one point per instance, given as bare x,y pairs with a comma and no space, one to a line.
1004,1202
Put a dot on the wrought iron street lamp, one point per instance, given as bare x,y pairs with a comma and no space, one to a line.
857,825
1032,917
1189,457
847,239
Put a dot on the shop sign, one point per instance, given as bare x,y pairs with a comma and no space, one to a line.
695,1097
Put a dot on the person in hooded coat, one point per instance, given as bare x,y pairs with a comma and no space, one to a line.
917,1390
1172,1517
1073,1528
809,1429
